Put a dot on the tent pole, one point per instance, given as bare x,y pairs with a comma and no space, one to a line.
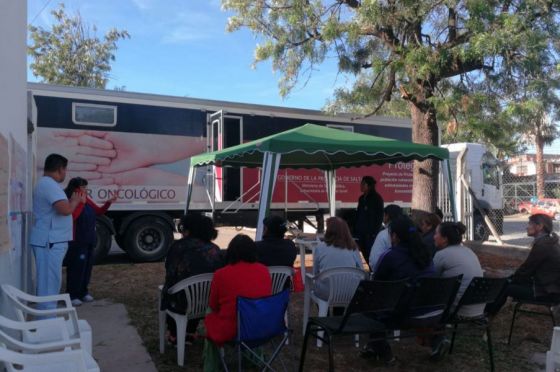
190,181
271,163
451,191
331,191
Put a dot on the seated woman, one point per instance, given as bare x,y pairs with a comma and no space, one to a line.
194,254
407,258
337,250
274,250
242,276
538,278
428,222
452,259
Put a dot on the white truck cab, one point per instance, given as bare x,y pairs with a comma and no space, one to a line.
481,172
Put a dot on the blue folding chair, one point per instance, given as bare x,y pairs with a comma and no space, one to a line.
259,321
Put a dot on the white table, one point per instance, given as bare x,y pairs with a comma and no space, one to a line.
303,245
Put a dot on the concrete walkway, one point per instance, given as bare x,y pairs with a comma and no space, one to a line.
116,344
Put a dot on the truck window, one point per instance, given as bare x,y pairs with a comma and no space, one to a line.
490,170
92,114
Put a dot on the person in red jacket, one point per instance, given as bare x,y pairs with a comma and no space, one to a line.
242,276
79,258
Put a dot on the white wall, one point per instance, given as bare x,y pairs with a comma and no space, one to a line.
13,107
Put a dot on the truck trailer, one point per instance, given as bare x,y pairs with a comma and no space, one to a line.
139,145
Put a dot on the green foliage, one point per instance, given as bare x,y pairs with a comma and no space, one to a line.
460,58
69,54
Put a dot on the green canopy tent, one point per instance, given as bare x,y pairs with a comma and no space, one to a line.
312,146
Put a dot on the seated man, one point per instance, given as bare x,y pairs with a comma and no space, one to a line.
538,278
274,250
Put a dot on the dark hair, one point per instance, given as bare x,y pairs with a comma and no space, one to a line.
276,226
544,220
241,248
74,184
369,180
54,162
439,213
431,219
198,226
338,234
392,211
410,239
452,231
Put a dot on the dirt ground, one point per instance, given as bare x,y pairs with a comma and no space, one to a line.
135,285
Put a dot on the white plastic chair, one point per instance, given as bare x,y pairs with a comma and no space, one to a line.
78,328
343,282
12,331
279,276
60,361
553,355
197,293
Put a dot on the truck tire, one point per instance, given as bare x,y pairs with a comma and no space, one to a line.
148,239
480,230
104,242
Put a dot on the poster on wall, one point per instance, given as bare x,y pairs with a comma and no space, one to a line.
4,190
17,195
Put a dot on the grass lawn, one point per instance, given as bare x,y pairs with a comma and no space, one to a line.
135,285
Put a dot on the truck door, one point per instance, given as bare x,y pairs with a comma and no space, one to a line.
224,131
491,178
214,143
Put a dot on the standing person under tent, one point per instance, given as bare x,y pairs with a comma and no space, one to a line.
369,216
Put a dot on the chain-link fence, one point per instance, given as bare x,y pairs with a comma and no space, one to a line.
520,200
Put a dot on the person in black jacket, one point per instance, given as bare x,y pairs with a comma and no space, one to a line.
193,254
538,278
369,216
274,250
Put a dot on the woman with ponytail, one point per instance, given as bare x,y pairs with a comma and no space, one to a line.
408,257
453,258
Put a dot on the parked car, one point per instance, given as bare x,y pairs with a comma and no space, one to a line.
525,207
550,207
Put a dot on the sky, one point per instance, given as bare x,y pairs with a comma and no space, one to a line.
181,48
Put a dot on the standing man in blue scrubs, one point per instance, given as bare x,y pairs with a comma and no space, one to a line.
52,227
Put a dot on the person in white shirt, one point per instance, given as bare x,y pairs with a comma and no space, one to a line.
382,241
52,227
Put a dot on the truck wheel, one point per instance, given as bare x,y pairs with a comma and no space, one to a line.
480,230
148,239
104,242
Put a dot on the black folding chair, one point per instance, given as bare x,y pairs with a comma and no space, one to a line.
371,301
433,296
517,308
260,321
481,291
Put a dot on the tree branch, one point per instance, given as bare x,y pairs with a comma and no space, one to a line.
458,67
354,4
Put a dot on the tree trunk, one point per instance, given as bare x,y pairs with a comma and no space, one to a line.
539,146
425,173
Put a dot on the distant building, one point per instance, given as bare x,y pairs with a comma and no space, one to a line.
526,165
